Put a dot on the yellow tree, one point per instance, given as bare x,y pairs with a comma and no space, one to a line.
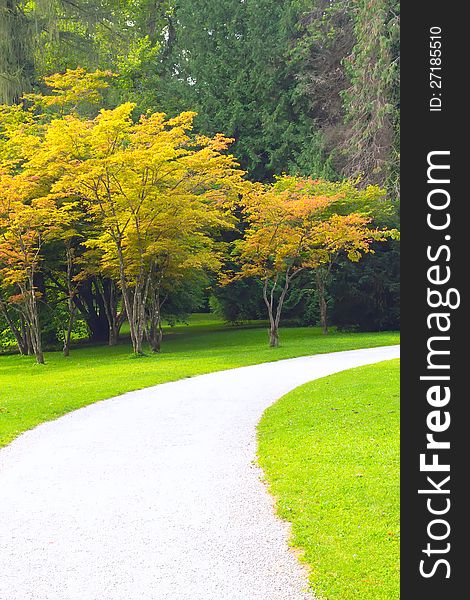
28,220
293,227
29,216
152,189
154,194
70,214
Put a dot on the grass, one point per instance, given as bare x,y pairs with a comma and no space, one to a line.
31,394
330,451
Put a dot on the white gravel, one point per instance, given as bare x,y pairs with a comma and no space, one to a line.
154,495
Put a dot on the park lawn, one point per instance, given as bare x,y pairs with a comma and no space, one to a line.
31,394
330,452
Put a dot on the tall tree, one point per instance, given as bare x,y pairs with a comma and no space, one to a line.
347,58
229,61
372,98
41,37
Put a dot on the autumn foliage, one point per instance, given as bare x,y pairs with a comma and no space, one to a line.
152,196
302,224
136,204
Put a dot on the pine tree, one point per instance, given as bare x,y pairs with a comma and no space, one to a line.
230,62
16,62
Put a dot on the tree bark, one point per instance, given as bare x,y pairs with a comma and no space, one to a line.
322,303
155,336
116,318
134,301
68,336
154,330
71,290
26,333
33,322
273,337
274,314
21,340
68,333
275,311
31,314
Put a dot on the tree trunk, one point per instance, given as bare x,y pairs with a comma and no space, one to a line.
109,294
26,333
40,357
155,336
71,289
280,304
113,335
90,305
275,315
322,304
154,317
137,345
323,315
135,311
269,301
36,330
138,316
18,333
68,332
273,337
28,291
135,300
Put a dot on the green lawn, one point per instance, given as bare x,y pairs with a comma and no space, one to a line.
330,451
31,394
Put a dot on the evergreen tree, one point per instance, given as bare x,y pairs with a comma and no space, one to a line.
347,57
16,56
41,37
230,61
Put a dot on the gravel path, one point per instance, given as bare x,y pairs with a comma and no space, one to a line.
154,495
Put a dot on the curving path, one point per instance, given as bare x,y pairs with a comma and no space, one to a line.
154,495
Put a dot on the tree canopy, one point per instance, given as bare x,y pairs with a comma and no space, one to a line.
306,88
296,225
146,146
146,194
